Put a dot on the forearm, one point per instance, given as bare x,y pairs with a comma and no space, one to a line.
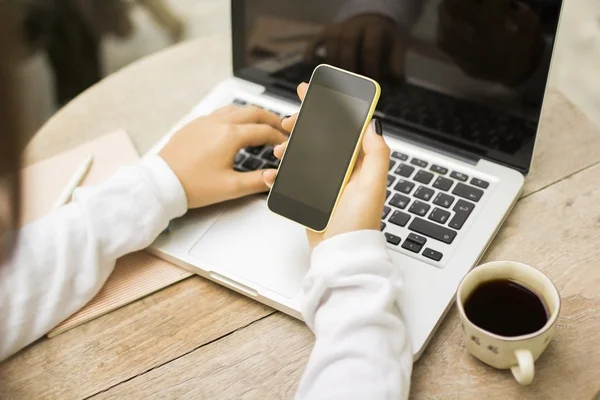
362,349
62,260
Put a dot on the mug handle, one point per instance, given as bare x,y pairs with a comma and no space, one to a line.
524,371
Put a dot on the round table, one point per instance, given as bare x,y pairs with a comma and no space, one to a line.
196,339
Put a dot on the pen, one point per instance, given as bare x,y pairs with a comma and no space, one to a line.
76,179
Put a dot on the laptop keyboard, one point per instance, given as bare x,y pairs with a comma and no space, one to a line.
426,204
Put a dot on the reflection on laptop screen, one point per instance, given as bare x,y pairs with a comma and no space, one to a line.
469,73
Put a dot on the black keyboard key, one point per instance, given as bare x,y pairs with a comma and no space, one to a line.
405,170
387,194
419,208
269,156
463,206
413,237
404,186
462,211
432,254
443,200
239,157
419,163
424,193
386,211
412,246
255,150
467,192
399,156
391,179
252,164
480,183
239,102
439,170
423,177
392,163
459,175
432,230
393,239
399,201
443,183
270,166
439,215
399,218
382,226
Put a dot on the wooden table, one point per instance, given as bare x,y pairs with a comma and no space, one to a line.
199,340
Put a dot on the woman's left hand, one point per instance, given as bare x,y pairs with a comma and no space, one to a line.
201,154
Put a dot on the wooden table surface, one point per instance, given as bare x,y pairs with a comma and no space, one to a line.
199,340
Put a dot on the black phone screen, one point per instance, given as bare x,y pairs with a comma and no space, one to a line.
321,146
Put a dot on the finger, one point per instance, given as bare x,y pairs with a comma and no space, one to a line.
228,109
247,183
269,176
279,150
288,123
301,90
372,52
252,115
376,157
257,135
350,42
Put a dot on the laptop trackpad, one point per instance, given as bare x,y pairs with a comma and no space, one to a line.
250,242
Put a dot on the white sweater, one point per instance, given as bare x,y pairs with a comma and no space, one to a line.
361,352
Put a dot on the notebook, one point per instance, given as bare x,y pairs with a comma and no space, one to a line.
135,275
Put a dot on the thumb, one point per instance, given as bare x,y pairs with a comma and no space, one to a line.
376,153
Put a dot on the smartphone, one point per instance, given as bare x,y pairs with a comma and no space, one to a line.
323,146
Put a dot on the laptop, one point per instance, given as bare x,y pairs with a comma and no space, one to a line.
462,134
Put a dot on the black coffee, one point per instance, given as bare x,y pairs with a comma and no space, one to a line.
506,308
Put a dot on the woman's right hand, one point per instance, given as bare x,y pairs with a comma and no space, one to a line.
361,204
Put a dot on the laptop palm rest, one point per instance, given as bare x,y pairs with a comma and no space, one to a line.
250,242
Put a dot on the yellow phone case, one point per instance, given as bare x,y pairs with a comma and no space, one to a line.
356,149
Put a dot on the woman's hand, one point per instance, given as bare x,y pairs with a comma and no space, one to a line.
201,154
361,204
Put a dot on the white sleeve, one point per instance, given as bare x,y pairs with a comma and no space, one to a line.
362,349
61,261
404,12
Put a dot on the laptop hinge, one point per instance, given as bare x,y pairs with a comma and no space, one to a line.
282,92
422,139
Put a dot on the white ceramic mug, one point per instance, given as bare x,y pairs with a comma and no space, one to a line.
519,352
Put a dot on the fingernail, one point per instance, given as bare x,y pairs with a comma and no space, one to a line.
377,126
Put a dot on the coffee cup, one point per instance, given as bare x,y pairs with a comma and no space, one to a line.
508,313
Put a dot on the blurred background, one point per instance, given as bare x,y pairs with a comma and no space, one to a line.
70,45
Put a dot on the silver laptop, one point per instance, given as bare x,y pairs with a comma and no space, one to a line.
462,141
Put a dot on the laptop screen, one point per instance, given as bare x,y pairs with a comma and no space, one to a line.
468,75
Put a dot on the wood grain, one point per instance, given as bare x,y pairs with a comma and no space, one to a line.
567,142
166,328
556,230
263,361
128,342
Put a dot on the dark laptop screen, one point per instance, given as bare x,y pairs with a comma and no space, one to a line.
466,74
